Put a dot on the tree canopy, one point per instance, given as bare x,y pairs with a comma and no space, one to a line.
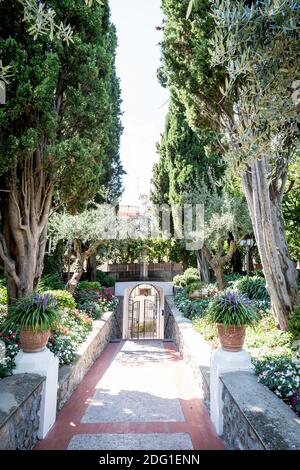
59,128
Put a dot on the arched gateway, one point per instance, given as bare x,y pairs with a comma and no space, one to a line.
143,312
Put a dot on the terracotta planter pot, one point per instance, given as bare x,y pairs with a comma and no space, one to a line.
33,341
231,337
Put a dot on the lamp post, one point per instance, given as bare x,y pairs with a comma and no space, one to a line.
2,92
248,243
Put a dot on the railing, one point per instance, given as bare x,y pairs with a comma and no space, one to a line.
147,271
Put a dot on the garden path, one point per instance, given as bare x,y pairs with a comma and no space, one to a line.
139,395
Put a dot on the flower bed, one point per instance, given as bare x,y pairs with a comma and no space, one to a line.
74,326
273,355
96,301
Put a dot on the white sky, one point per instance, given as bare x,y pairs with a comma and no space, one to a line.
145,102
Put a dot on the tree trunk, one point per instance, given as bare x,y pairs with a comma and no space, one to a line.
81,257
203,267
92,268
264,202
78,268
218,270
218,261
25,211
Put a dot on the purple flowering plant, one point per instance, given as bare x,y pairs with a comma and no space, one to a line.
35,311
231,308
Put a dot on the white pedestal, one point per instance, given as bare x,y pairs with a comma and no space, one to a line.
221,362
46,364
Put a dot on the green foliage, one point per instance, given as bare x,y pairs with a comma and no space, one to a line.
190,308
231,308
50,282
195,285
189,276
254,288
104,279
281,375
3,296
63,298
64,341
96,302
94,285
291,208
83,72
89,226
36,311
6,366
54,263
264,339
294,323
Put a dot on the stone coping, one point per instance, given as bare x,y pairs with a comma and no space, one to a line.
194,345
274,423
14,391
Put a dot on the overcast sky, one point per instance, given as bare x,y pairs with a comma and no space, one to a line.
145,102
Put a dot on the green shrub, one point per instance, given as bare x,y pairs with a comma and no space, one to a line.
254,288
190,308
294,323
3,282
195,285
179,280
232,277
189,276
105,280
89,285
3,296
50,282
231,308
64,299
281,375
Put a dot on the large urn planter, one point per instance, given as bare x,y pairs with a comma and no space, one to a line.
33,341
33,316
231,312
231,337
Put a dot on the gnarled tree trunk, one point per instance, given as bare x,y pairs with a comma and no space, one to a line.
25,211
264,202
218,261
81,258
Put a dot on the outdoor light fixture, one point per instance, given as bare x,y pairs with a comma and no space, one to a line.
2,92
247,243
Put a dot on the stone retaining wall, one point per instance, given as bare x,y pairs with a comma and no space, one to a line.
71,375
254,418
20,401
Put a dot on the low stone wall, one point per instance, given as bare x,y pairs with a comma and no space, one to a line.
254,418
20,401
71,375
191,344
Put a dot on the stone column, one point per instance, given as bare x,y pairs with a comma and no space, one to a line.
222,362
46,364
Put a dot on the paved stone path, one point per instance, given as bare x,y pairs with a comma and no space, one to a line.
139,395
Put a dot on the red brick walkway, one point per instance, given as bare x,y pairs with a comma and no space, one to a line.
126,389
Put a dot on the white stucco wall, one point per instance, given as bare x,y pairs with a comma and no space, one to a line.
121,286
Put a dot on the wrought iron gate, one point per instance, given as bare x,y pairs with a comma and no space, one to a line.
143,319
